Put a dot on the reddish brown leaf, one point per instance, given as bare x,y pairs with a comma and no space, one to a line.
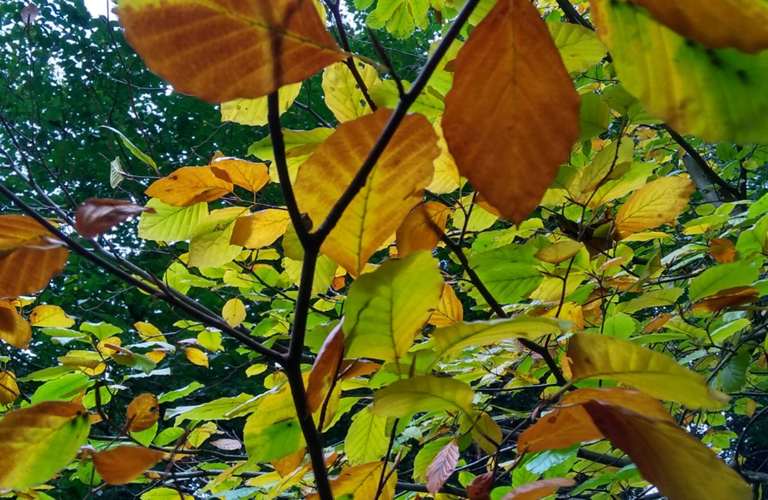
480,486
442,466
325,369
143,412
97,216
539,489
512,128
123,464
727,298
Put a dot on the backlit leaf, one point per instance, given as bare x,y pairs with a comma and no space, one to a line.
325,369
233,312
388,195
97,216
142,412
718,278
123,464
47,315
190,185
539,489
729,297
658,202
605,357
13,328
450,310
9,389
422,393
243,50
260,229
361,483
578,46
254,111
559,251
722,250
366,439
211,246
422,228
246,174
169,223
37,441
343,95
196,356
526,81
446,178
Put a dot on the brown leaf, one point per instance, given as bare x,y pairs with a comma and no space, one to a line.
422,228
190,185
722,250
288,464
97,216
480,486
679,465
230,50
539,489
442,466
325,369
123,464
13,328
357,368
657,322
513,113
143,412
727,298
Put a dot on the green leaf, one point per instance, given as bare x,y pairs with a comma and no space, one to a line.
508,272
165,494
217,409
423,393
386,309
171,223
133,149
718,278
61,389
594,116
733,377
578,46
367,439
210,246
273,441
426,456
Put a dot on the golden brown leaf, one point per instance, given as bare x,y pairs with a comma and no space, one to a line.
123,464
196,356
220,50
325,369
450,310
13,328
539,489
657,322
260,229
727,298
286,465
558,252
247,175
679,465
387,197
422,228
190,185
658,202
142,412
97,216
513,113
722,250
9,390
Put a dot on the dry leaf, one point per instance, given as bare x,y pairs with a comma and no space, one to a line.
142,412
97,216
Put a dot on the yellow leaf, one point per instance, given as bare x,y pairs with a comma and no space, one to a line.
169,223
450,310
81,359
605,357
190,185
9,390
149,332
422,228
233,312
679,465
446,179
196,356
422,393
559,251
388,195
210,246
658,202
343,95
37,441
361,483
142,412
254,111
123,464
210,339
231,50
260,229
246,174
496,130
53,316
156,355
13,328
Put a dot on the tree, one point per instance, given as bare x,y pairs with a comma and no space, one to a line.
510,270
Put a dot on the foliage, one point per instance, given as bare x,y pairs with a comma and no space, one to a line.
497,271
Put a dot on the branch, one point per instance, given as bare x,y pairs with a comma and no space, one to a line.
572,15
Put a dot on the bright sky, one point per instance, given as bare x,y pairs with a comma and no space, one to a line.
99,7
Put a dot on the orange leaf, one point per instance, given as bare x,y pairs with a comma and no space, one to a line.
539,489
13,328
727,298
288,464
657,322
722,250
679,465
142,412
123,464
260,229
97,216
389,194
190,185
422,228
442,466
247,175
511,128
325,369
230,50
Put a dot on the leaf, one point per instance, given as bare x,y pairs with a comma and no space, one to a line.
605,163
366,439
679,465
559,251
578,46
343,95
442,466
210,339
526,81
37,441
388,195
325,369
142,412
254,111
189,186
97,216
722,250
604,357
260,229
233,312
165,494
9,389
569,423
739,24
479,333
210,245
446,179
539,489
422,393
246,174
709,93
422,228
149,332
386,309
486,432
450,310
13,328
361,483
480,486
30,256
230,50
658,202
123,464
143,157
51,316
196,356
116,173
730,297
169,223
719,278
